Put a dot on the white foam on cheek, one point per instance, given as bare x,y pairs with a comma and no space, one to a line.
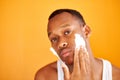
79,41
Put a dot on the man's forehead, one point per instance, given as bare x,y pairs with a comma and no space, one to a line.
60,20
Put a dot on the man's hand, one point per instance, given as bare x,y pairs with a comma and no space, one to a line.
81,67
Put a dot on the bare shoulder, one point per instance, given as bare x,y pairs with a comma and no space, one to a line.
48,72
115,72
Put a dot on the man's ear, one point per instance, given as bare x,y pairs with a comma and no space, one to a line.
87,31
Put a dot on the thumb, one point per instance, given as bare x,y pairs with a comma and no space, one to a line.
66,71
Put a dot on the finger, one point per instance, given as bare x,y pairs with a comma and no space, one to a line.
87,62
66,71
76,61
84,60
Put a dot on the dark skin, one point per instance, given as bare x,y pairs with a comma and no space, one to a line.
81,64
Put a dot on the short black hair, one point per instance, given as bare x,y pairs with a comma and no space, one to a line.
71,11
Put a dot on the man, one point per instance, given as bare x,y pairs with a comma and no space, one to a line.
79,64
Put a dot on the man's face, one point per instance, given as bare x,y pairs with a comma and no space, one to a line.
61,32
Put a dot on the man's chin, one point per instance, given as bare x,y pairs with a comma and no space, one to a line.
69,62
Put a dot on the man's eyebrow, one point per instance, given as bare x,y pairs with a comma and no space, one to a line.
65,25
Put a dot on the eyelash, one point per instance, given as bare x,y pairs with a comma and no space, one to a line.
66,32
53,40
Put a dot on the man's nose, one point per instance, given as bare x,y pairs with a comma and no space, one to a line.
62,45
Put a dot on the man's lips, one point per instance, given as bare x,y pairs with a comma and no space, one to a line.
65,52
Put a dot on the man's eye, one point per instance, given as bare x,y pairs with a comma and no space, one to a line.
66,32
54,40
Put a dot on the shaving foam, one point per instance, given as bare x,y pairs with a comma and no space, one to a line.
79,41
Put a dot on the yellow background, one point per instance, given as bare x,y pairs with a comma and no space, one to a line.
24,46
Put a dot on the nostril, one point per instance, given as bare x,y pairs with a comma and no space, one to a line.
64,45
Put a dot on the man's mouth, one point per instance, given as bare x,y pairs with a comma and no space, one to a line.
65,52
